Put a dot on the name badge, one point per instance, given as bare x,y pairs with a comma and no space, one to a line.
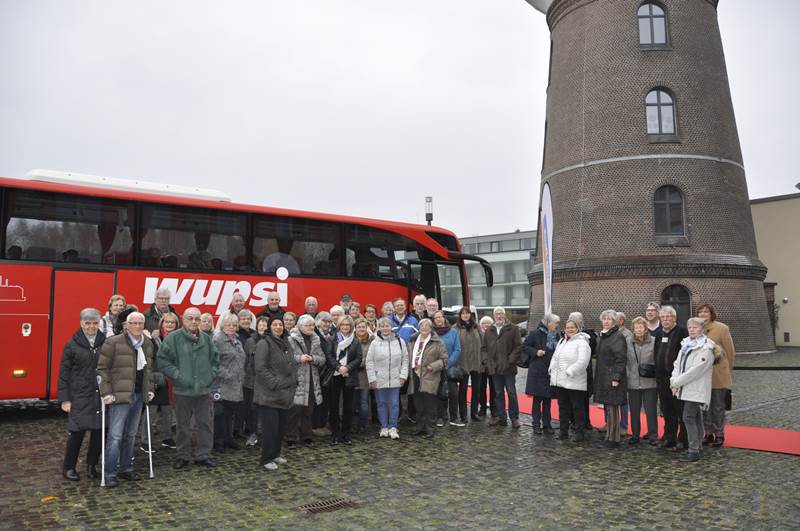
665,340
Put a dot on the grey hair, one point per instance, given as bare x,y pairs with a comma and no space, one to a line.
420,297
499,309
226,318
696,321
383,320
425,321
321,316
486,319
550,318
655,305
669,309
90,314
134,314
164,291
609,314
304,319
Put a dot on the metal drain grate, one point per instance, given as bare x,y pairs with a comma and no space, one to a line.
329,504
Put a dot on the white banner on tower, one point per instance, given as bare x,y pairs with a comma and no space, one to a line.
546,245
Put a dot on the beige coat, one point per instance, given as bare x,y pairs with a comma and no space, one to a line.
719,333
435,355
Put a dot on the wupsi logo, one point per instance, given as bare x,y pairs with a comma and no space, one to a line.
203,292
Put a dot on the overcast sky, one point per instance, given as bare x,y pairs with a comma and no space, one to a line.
360,107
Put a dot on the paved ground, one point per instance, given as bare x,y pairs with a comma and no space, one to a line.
473,477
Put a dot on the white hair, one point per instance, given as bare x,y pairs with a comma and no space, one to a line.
321,316
245,311
335,308
499,309
610,314
419,298
90,314
383,320
486,319
303,320
226,318
550,318
696,321
134,314
668,309
164,291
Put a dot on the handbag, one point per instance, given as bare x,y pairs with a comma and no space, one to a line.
443,393
646,370
456,373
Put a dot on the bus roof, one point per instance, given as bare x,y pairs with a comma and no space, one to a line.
414,231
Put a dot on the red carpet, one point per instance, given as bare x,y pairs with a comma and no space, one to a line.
745,437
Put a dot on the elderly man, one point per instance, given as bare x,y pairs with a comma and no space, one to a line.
666,348
157,310
190,359
124,371
311,306
273,308
431,306
419,308
502,345
651,315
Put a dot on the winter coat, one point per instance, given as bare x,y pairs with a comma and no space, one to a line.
352,355
161,397
405,328
77,381
502,350
538,382
387,362
107,323
116,367
471,359
665,349
244,334
266,312
192,361
644,352
612,360
275,372
435,355
363,381
249,352
568,364
307,373
153,316
692,372
453,345
230,374
720,334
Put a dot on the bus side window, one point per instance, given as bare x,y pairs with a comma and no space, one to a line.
302,246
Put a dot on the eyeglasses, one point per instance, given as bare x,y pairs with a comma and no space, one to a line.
135,323
189,318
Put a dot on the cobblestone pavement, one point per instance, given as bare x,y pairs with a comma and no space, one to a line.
474,477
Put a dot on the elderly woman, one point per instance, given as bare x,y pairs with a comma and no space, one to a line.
485,322
610,375
78,394
247,324
371,315
691,383
309,357
721,377
337,312
471,360
227,387
168,323
249,422
116,304
538,347
365,337
641,372
486,380
354,310
289,321
344,361
387,371
207,323
275,380
428,358
387,310
568,376
326,331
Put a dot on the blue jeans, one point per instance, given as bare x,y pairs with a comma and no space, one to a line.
388,400
363,407
123,423
503,383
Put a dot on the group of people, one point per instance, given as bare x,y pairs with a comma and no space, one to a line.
284,379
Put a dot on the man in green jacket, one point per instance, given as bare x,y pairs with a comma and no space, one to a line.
191,361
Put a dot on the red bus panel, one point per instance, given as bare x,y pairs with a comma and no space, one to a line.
24,321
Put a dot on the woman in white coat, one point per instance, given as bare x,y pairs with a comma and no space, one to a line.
568,377
387,370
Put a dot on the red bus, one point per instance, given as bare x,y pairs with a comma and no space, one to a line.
70,241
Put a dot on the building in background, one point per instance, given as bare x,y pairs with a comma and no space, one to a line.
776,221
510,256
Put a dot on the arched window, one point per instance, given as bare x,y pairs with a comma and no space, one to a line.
652,24
668,204
660,109
679,298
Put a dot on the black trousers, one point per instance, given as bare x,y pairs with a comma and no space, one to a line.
427,410
541,411
458,400
480,381
74,441
341,425
224,414
274,422
571,410
672,409
247,415
319,418
299,422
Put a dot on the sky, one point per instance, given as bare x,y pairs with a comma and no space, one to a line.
359,107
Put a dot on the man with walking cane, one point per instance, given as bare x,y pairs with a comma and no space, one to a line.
125,380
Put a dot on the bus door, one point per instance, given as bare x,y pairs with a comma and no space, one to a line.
24,325
441,280
74,290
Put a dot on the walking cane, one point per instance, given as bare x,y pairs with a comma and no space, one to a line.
102,436
149,441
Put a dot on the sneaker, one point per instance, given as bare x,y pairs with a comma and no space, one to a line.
393,434
439,423
271,466
384,432
169,443
457,423
145,450
252,440
279,461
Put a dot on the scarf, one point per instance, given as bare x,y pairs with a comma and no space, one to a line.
552,340
442,330
141,361
419,348
466,324
691,343
344,342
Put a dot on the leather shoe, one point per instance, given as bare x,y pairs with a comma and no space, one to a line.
516,424
129,476
427,435
634,440
111,482
71,475
180,463
718,442
690,457
91,472
205,462
666,444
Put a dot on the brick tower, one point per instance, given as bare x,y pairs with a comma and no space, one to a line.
644,166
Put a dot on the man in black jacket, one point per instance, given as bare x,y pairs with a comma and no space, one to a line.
273,308
666,349
157,310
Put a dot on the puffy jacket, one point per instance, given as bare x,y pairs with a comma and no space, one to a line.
471,359
453,345
116,367
405,328
230,374
502,349
275,373
568,366
612,360
435,355
387,362
191,361
644,353
692,371
307,373
77,381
